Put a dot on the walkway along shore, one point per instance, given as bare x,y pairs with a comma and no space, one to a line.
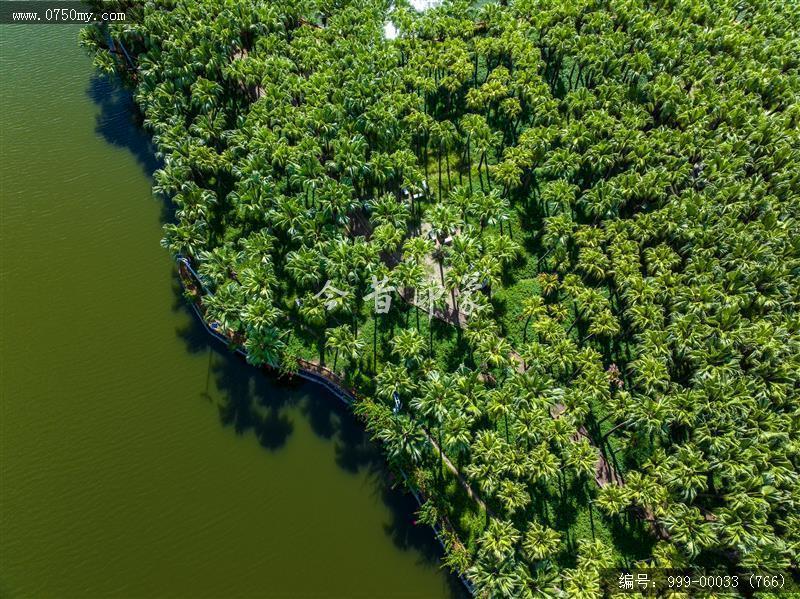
334,384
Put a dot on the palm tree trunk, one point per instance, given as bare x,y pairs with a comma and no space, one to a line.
480,174
578,316
613,430
441,460
425,158
469,164
375,344
439,160
525,329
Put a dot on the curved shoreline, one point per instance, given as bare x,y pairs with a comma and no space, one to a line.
319,375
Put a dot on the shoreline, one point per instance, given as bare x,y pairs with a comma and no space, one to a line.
322,378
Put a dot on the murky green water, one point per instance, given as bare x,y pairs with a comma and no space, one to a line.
137,459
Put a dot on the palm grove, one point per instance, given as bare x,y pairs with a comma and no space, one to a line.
617,183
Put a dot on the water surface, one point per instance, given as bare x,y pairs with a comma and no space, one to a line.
137,458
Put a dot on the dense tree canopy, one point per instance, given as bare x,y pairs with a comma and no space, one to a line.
585,216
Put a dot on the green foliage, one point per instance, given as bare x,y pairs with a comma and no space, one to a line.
606,191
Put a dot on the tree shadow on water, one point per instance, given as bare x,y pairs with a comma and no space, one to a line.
191,332
252,400
119,121
246,398
356,453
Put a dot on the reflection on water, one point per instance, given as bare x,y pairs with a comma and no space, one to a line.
253,402
118,121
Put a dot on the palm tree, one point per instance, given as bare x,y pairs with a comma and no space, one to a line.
688,527
498,540
342,340
548,283
494,352
594,555
408,276
613,499
500,405
421,124
475,126
444,222
404,440
493,581
581,583
185,239
393,380
509,174
582,457
387,237
542,464
312,311
205,94
417,248
540,542
532,308
387,210
447,136
434,404
513,496
304,266
461,197
457,435
259,315
264,346
409,346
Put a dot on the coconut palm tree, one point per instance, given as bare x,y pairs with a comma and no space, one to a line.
404,439
648,169
434,404
394,379
342,341
532,309
540,542
264,347
409,346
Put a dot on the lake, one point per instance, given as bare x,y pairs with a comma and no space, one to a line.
138,457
